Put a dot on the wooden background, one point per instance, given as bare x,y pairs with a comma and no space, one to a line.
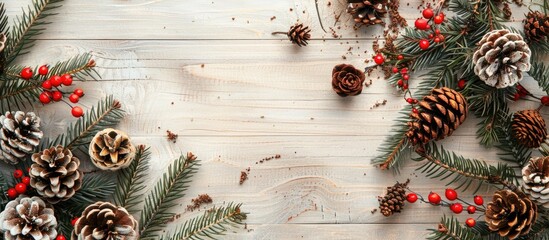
212,72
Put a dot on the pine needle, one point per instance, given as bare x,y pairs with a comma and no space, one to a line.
131,181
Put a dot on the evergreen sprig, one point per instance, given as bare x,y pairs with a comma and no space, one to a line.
17,94
214,222
450,228
395,149
131,181
510,150
172,186
3,19
540,72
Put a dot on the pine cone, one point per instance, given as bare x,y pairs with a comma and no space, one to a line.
367,12
511,214
111,149
535,176
103,220
28,218
536,26
347,80
2,56
529,128
299,34
393,201
19,136
439,114
501,58
55,174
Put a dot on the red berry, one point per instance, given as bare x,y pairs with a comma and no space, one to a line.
424,44
400,83
17,173
60,237
44,98
79,92
26,73
12,193
457,208
55,81
471,209
46,84
26,180
414,110
545,100
470,222
20,188
57,96
77,112
441,38
73,221
43,70
437,31
400,57
410,100
411,197
395,70
421,24
405,86
406,77
74,98
478,200
461,83
66,79
439,19
428,13
516,97
379,59
434,198
437,40
404,71
451,194
431,35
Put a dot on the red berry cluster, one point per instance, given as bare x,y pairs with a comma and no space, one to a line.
51,87
403,82
423,24
520,93
21,186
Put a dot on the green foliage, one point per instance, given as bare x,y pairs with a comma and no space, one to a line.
17,94
214,222
131,181
395,148
3,19
172,186
540,73
453,231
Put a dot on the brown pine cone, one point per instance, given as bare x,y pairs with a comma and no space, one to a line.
105,221
28,218
438,115
111,149
299,34
536,26
19,136
510,214
529,128
393,201
347,80
367,12
55,174
535,176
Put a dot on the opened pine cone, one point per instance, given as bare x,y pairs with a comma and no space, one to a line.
535,176
536,26
529,128
511,214
19,136
299,34
367,12
105,221
393,201
438,115
55,174
347,80
111,149
28,218
501,58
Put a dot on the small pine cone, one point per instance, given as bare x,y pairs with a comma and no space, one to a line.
105,221
347,80
28,218
511,214
529,128
19,136
535,176
367,12
55,174
393,201
111,149
536,26
299,34
501,58
2,56
439,114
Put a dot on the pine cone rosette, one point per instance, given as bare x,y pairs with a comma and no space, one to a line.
347,80
510,214
535,176
529,128
501,58
28,218
367,12
111,149
55,174
438,115
19,136
105,221
536,26
393,201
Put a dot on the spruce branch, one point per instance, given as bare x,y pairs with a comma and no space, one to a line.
511,151
17,94
451,229
172,186
131,181
214,222
3,19
540,73
395,148
95,187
